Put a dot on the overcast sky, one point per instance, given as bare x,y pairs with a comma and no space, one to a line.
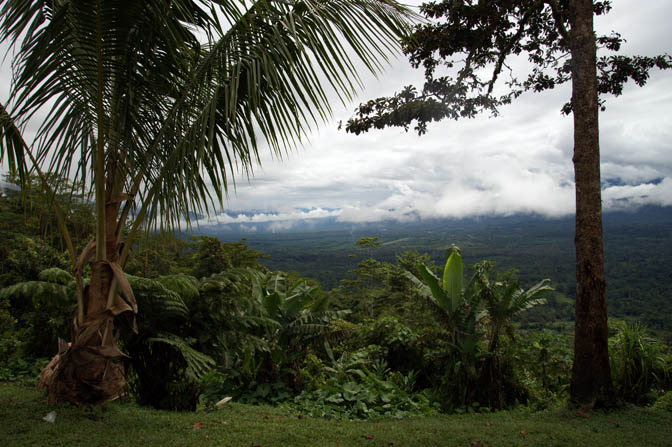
519,162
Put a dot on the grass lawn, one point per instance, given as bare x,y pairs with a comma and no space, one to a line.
22,410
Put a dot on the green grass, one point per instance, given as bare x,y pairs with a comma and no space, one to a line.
22,410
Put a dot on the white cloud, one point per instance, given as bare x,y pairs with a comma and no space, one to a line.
627,196
247,220
517,163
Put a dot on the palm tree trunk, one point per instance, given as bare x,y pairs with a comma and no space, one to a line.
87,371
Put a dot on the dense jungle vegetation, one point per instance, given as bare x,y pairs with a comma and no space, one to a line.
403,332
638,252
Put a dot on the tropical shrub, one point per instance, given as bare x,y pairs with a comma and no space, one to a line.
664,402
25,257
165,365
360,386
225,317
230,383
13,366
229,323
640,368
402,346
21,369
43,309
381,289
212,256
7,328
469,314
300,317
544,364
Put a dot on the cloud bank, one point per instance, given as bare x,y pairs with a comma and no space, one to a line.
519,162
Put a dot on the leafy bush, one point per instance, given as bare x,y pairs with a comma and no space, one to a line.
44,308
18,369
664,402
8,340
298,317
27,257
212,256
15,365
165,366
360,386
544,364
217,384
639,367
403,353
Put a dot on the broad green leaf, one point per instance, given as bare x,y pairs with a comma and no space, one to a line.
453,278
432,281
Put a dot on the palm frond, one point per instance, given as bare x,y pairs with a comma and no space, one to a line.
12,144
177,118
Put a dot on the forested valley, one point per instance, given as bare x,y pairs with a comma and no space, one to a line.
638,251
345,325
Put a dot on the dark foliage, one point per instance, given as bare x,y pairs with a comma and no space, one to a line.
465,50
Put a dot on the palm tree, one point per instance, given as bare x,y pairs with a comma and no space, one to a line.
504,299
153,105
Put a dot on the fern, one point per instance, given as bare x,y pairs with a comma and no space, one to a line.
37,291
198,363
155,301
56,276
46,310
314,324
184,285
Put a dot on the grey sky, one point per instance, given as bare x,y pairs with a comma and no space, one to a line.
519,162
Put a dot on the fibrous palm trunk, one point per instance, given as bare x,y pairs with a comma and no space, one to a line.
88,370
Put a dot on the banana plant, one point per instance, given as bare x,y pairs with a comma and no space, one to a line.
456,306
459,310
465,310
301,317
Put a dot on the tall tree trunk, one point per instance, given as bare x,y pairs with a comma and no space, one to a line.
591,377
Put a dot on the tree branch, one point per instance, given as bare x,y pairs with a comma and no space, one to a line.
557,17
